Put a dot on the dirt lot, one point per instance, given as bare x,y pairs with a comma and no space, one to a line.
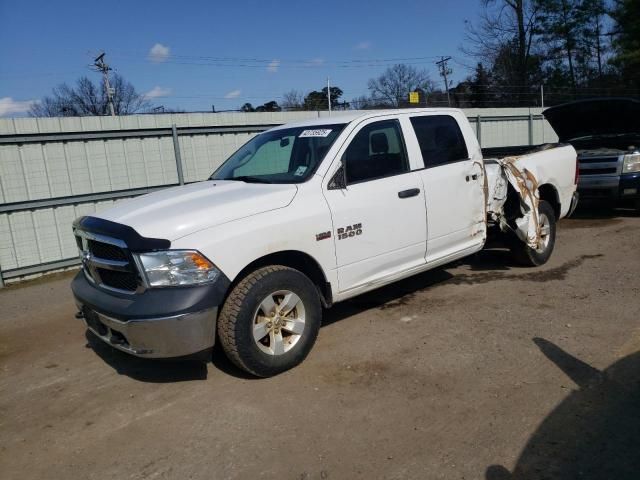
478,370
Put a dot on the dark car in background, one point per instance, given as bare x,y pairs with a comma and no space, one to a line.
606,134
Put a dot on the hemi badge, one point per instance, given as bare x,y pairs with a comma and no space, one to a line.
323,236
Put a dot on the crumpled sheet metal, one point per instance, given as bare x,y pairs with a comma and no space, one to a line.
525,183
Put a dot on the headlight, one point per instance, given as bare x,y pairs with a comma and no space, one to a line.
631,163
177,267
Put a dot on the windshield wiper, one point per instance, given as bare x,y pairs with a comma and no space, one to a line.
249,179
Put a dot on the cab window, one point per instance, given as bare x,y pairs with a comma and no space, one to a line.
376,151
440,139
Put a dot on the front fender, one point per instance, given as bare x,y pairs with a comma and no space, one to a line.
236,244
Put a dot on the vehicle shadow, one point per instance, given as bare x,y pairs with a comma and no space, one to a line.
593,434
493,261
593,211
183,369
494,258
389,296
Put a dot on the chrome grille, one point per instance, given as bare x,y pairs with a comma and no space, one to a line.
120,280
608,165
107,251
108,263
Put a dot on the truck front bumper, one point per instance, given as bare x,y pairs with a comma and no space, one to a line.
609,187
158,323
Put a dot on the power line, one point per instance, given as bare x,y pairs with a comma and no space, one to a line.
444,71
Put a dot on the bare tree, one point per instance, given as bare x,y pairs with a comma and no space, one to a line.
88,98
394,85
293,100
506,31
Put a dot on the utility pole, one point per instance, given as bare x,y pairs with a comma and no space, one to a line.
329,95
542,95
444,71
104,68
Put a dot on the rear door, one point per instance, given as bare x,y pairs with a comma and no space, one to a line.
377,206
453,184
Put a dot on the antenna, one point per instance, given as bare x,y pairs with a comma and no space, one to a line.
101,66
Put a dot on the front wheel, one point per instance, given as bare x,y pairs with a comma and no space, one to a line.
270,320
533,257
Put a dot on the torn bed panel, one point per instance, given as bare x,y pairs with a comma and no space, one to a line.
500,174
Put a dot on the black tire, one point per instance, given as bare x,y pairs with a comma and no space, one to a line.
528,256
238,316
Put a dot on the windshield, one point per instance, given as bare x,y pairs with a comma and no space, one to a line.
288,155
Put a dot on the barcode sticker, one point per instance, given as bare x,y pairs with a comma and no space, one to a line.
315,133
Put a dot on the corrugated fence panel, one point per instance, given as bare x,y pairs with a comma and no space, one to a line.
506,132
78,167
43,235
105,154
12,177
57,170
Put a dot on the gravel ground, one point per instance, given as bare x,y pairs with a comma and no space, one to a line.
481,369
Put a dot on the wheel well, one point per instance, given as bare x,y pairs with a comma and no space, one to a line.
301,262
549,194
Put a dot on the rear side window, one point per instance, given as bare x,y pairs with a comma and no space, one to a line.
440,139
376,151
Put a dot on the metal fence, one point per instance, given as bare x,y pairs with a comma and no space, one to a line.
55,170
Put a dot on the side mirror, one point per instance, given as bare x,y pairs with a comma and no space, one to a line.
284,142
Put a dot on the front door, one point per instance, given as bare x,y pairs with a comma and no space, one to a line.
378,209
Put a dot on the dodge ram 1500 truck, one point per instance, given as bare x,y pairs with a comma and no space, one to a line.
606,134
303,216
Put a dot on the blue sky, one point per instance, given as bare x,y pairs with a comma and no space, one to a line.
173,50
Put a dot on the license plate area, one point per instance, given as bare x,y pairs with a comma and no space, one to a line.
94,323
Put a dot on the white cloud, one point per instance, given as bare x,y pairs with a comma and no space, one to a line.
315,62
157,92
273,66
233,94
362,46
159,53
10,106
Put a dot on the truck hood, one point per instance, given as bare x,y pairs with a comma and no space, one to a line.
595,117
175,212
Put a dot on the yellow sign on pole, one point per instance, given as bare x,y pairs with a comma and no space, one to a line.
414,97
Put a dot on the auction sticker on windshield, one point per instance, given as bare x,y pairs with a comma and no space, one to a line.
300,171
315,133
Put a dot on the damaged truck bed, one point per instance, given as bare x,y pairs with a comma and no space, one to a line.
518,175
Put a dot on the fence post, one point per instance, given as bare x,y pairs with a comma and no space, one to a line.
1,279
479,129
530,128
176,151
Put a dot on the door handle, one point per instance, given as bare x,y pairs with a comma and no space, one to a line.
412,192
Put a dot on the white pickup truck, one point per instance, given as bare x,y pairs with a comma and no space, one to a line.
303,216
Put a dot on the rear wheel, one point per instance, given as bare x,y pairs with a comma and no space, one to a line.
533,257
270,320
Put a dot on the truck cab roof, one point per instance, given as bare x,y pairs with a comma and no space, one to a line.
348,117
